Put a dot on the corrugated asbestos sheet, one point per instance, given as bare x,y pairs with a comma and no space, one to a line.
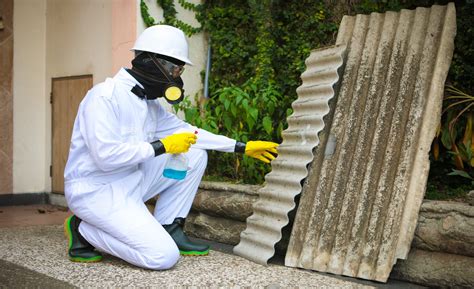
359,206
289,169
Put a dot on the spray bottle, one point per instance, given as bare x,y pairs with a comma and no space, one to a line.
176,166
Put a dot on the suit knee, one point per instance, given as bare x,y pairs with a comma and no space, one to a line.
162,261
198,158
203,157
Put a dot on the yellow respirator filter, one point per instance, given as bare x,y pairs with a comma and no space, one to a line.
173,94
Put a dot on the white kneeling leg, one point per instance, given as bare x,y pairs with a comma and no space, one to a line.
135,236
116,221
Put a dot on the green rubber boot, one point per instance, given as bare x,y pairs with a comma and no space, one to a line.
186,247
79,249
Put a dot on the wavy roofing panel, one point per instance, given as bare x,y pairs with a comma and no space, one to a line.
359,205
289,169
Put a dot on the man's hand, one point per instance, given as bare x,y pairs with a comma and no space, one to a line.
263,150
179,142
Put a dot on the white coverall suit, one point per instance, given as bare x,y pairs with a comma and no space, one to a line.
111,171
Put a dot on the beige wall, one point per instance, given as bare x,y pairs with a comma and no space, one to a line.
124,30
79,38
54,38
79,41
30,104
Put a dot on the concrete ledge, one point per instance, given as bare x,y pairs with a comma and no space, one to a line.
229,187
436,269
232,205
445,227
219,211
217,229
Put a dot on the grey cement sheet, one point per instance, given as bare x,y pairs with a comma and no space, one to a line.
359,206
289,169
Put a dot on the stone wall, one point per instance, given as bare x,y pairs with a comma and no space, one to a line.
446,227
442,251
219,211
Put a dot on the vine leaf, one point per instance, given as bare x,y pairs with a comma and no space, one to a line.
169,15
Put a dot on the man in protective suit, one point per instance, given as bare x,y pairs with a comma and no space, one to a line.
121,140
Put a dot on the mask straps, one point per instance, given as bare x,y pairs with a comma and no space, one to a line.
146,76
160,67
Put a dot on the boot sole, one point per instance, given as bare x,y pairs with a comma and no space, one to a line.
194,253
68,234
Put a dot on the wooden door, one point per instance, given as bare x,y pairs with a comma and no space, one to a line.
6,96
66,95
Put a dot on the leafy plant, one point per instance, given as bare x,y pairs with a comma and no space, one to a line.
169,15
442,190
456,132
244,113
258,54
368,6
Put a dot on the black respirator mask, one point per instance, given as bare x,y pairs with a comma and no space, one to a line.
160,77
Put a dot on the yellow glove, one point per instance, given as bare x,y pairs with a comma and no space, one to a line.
262,150
179,142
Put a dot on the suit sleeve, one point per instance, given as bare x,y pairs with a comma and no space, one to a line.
170,123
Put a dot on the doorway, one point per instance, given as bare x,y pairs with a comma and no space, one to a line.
66,95
6,97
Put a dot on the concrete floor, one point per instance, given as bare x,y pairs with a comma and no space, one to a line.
33,255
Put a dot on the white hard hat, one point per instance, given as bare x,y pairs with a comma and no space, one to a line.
165,40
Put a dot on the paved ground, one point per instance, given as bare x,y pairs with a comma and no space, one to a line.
34,256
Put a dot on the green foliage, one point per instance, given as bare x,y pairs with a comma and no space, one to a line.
263,39
169,15
442,186
237,105
440,191
244,113
149,21
258,54
231,29
456,134
463,174
462,66
299,27
381,6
